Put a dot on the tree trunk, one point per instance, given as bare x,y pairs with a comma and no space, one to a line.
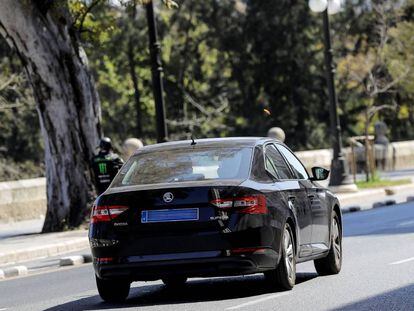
67,102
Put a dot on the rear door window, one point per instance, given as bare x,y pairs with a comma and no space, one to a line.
295,164
258,167
276,164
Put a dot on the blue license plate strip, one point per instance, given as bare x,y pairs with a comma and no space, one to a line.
170,215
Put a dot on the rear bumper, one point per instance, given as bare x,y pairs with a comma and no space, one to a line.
196,267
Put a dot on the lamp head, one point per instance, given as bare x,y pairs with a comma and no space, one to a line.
318,6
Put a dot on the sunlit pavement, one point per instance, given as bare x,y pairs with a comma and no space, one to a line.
378,274
25,227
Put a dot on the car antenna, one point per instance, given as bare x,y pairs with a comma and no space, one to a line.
193,142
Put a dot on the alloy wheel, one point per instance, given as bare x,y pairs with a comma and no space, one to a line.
336,240
289,258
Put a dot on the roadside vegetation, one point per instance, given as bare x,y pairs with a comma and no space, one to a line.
378,182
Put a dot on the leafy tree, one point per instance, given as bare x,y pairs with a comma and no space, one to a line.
17,110
20,146
367,73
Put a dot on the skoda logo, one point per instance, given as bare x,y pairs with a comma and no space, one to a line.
168,197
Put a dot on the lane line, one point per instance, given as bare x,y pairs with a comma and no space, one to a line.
402,261
253,302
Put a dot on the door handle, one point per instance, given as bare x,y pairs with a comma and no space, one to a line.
291,198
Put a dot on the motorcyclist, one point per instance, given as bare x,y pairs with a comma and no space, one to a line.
106,165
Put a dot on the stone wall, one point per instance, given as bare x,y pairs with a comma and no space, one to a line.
22,199
403,155
311,158
400,156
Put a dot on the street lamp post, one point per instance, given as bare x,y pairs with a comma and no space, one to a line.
340,178
157,73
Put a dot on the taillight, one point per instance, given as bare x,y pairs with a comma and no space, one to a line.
251,204
106,212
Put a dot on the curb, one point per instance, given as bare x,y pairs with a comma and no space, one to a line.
384,203
75,260
87,258
13,271
347,198
44,251
71,261
351,209
357,208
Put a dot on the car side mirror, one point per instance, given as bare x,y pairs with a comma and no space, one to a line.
319,173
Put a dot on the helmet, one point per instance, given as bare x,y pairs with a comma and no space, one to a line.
105,143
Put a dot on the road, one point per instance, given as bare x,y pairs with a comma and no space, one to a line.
377,274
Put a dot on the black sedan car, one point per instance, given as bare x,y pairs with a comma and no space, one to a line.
213,207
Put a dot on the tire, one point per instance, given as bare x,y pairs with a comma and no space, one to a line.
332,263
174,281
113,290
284,276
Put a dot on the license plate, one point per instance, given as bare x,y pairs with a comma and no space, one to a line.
169,215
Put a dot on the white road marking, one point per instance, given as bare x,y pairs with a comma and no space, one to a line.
402,261
253,302
406,223
2,309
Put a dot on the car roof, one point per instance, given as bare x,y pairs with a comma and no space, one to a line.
207,143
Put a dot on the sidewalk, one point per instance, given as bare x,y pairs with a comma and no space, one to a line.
24,227
27,247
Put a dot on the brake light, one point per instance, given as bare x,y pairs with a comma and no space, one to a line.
251,204
106,213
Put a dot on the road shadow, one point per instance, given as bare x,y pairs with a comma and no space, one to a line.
214,289
398,299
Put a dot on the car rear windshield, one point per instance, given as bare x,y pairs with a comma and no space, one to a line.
188,164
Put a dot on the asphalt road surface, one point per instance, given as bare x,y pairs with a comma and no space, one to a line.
377,274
